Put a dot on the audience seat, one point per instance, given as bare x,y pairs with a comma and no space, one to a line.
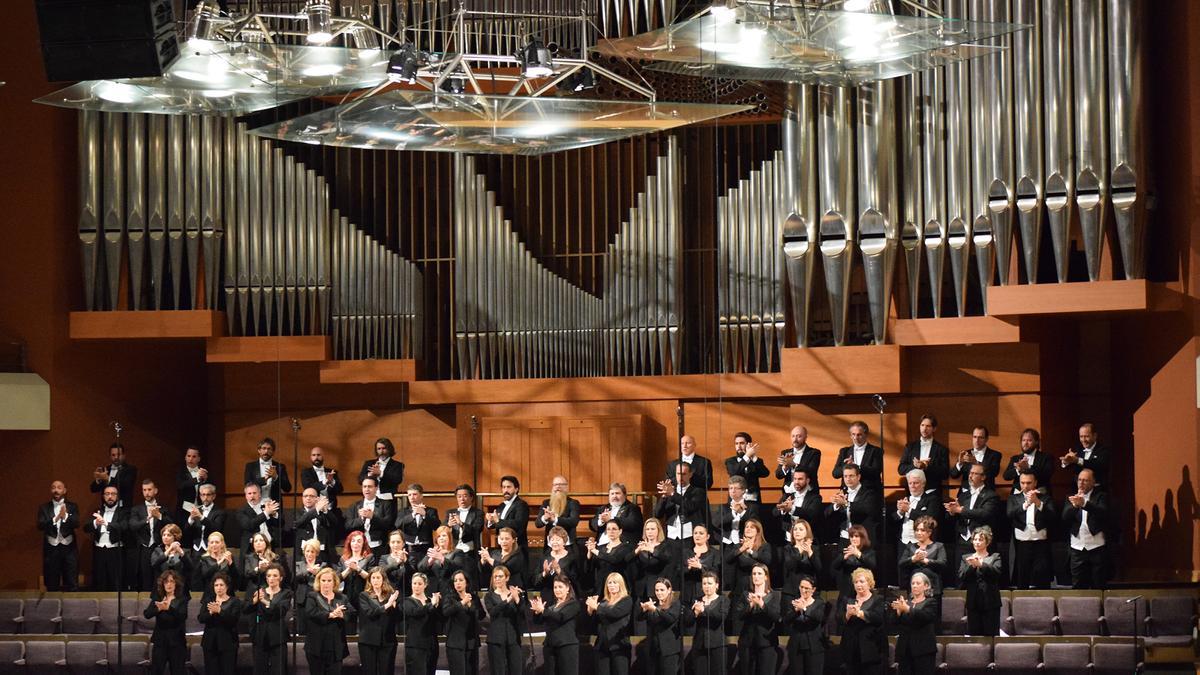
195,662
1172,622
11,651
10,615
44,656
128,657
968,658
1006,620
41,616
1066,658
87,657
1079,615
1111,658
1119,615
80,616
1016,657
954,615
1033,615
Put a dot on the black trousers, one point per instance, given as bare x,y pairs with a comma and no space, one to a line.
708,661
983,621
145,570
106,568
505,659
562,660
667,665
463,661
611,663
220,661
164,658
756,660
377,659
805,662
321,666
419,661
270,660
919,665
1033,564
60,567
1089,569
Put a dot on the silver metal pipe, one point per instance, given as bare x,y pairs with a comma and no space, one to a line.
1027,130
135,207
799,231
877,229
933,156
280,245
1126,78
1058,95
176,140
984,110
156,207
213,229
1000,189
958,169
835,160
193,196
236,261
114,205
1091,128
912,224
89,206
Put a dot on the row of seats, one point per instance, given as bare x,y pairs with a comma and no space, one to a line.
95,657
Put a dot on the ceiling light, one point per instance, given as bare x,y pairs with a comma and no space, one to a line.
203,25
536,59
856,5
403,65
453,85
117,92
723,10
320,21
322,70
579,80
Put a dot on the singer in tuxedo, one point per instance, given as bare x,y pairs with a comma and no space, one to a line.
1031,458
374,517
747,464
466,527
976,507
803,502
58,520
259,515
1088,520
702,472
417,522
978,453
188,480
1031,514
856,504
119,474
928,455
1089,453
512,513
266,473
107,526
315,520
620,509
146,521
681,505
385,469
868,458
204,519
560,510
324,479
799,456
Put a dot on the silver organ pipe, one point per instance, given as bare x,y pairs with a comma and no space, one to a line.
1091,128
135,206
1126,62
878,232
835,169
799,187
90,232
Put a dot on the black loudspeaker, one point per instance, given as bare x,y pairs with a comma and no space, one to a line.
106,39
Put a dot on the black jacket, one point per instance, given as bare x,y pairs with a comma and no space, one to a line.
723,521
126,482
329,489
140,532
560,622
806,628
249,522
187,488
702,472
795,565
738,565
811,508
568,520
392,478
469,528
45,521
280,485
221,629
865,510
1043,467
691,507
620,560
325,638
206,568
268,625
864,641
991,469
752,471
1097,511
326,528
613,624
420,623
517,518
986,511
1043,518
197,531
462,621
929,504
709,626
844,567
1098,463
651,566
936,567
170,625
758,625
871,468
117,529
517,565
376,624
918,630
381,520
810,460
662,629
406,522
983,584
628,516
505,620
939,463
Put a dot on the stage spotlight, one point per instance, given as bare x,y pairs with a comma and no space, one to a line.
536,59
403,65
320,21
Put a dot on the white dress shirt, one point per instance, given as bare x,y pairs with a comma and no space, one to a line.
58,539
370,504
383,494
105,535
971,505
735,535
857,453
677,529
1030,531
1085,540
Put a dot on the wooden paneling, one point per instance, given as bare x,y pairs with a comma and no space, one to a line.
597,389
200,323
964,330
368,371
826,371
1130,295
267,349
974,369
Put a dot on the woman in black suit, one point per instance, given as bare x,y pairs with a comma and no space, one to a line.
708,614
395,563
377,618
864,640
168,607
926,556
503,606
561,647
219,616
559,561
740,560
514,559
805,619
856,555
462,611
352,568
800,559
442,560
614,555
662,616
256,561
614,622
216,559
759,611
420,628
303,573
979,575
654,558
703,558
326,614
268,629
170,554
916,647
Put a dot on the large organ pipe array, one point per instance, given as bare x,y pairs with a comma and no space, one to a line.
195,211
516,318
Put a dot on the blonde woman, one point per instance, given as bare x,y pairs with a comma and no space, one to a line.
503,606
614,620
654,558
303,572
800,559
216,558
864,640
326,615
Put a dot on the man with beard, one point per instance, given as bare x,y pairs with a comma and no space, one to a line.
803,502
57,520
270,476
107,528
799,456
188,481
204,519
928,455
259,515
620,509
118,474
146,521
385,469
512,513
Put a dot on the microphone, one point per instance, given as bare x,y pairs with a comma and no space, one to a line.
295,424
1133,599
116,427
879,402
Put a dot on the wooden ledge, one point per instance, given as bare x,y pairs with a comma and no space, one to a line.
833,371
1093,297
966,330
268,349
144,325
635,388
368,371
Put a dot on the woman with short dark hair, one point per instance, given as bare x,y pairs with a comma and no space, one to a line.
168,608
219,616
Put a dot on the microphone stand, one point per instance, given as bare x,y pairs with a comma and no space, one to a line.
117,428
295,422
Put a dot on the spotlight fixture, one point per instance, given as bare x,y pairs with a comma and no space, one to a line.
579,80
454,85
320,21
403,65
203,25
536,59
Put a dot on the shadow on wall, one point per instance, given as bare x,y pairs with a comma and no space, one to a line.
1167,536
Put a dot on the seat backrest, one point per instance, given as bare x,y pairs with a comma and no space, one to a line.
127,656
77,615
1066,658
10,609
10,651
84,657
954,612
42,615
42,655
1022,657
352,659
1033,615
968,655
1109,657
193,618
1173,615
1079,615
196,657
1120,615
109,616
1006,615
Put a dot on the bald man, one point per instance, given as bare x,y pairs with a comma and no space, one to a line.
799,456
1089,453
57,520
702,471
